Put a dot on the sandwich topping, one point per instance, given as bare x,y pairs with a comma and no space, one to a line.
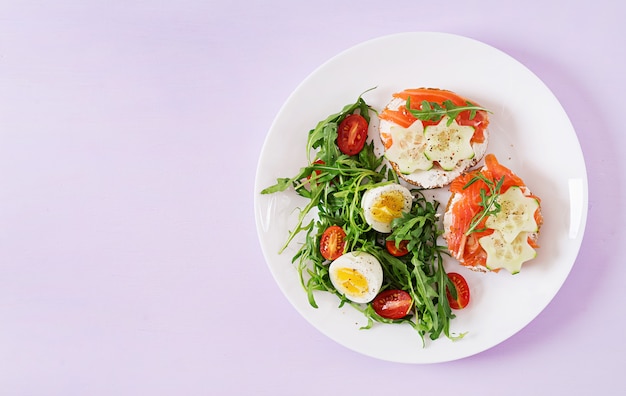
492,220
448,142
432,135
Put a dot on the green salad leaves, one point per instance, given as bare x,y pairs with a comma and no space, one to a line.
488,201
433,111
333,184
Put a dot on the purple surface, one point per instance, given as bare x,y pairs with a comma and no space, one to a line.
129,137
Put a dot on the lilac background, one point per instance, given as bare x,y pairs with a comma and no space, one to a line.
129,137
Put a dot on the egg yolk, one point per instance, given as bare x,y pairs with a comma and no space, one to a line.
388,207
354,283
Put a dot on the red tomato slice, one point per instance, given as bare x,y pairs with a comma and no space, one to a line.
317,172
462,291
392,304
352,134
333,242
398,251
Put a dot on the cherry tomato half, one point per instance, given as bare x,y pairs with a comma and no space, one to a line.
351,134
462,291
398,251
317,171
333,242
392,304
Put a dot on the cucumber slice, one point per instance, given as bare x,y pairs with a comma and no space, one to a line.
517,214
407,148
448,144
502,254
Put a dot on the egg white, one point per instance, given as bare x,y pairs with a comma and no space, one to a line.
365,265
373,196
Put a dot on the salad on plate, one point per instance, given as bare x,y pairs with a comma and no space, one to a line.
371,235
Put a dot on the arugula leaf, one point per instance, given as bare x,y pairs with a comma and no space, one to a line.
424,273
488,200
433,111
281,185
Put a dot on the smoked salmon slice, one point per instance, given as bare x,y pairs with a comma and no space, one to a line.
465,203
404,118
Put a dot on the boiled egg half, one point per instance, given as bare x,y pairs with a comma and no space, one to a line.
382,204
357,275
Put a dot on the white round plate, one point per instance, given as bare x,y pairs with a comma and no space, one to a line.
529,132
